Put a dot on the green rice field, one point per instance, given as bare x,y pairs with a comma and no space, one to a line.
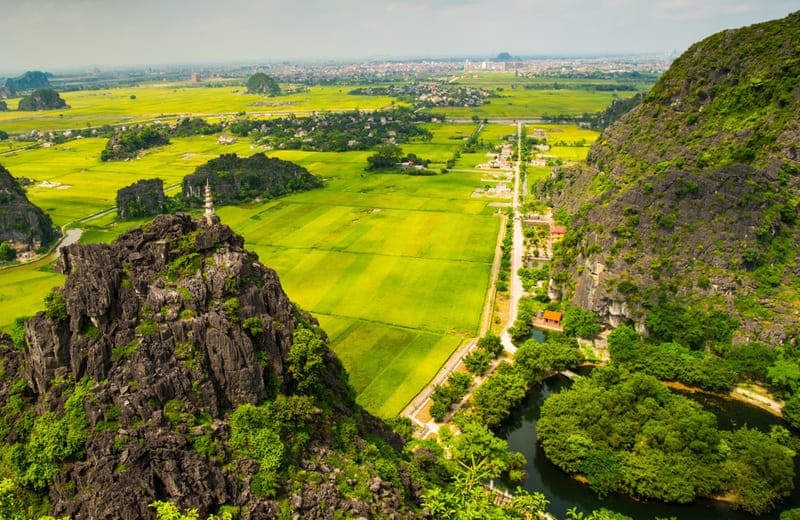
100,107
395,267
399,263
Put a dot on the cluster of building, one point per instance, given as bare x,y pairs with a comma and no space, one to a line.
501,160
431,94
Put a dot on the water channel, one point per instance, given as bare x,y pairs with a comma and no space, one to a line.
565,493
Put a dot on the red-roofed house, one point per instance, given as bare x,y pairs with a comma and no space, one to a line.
557,233
552,317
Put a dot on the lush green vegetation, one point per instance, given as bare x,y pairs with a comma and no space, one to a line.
336,132
42,99
144,198
127,144
260,83
625,432
690,197
507,385
236,179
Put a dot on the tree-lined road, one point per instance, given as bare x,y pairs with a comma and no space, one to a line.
517,246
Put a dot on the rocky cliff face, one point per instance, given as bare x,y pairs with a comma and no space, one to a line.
144,198
169,330
236,179
42,99
31,80
692,196
20,221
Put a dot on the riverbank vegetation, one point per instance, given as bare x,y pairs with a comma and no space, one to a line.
626,432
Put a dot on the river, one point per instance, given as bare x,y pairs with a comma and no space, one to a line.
565,493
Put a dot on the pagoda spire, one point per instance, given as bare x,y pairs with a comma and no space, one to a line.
209,205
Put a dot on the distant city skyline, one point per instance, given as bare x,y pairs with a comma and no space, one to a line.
69,34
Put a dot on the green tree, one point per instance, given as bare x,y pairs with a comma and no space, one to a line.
478,362
386,156
785,374
55,305
306,360
493,400
491,343
581,323
624,343
791,411
7,253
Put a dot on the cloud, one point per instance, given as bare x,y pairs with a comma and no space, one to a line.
681,10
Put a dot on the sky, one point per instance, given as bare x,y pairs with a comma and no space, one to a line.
61,34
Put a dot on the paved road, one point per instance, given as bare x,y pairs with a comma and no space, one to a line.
518,244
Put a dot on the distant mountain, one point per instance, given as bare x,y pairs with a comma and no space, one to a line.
21,221
692,196
31,80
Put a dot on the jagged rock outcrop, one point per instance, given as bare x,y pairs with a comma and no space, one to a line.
21,222
692,195
169,330
144,198
236,179
42,99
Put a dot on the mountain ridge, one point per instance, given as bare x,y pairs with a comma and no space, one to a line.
692,195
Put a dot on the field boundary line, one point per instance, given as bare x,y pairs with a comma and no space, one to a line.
387,255
462,335
491,292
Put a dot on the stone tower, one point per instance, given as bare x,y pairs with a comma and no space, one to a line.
209,214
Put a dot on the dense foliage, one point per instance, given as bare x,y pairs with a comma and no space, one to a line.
625,432
493,400
260,83
672,361
189,126
144,198
127,144
42,99
7,253
336,132
236,179
580,322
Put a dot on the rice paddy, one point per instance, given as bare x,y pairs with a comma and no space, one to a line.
395,267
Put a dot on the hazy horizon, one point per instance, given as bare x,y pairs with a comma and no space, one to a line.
75,34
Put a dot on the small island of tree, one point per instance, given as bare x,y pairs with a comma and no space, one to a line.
145,198
260,83
42,99
128,143
389,156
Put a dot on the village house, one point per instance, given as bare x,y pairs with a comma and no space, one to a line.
557,233
552,318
